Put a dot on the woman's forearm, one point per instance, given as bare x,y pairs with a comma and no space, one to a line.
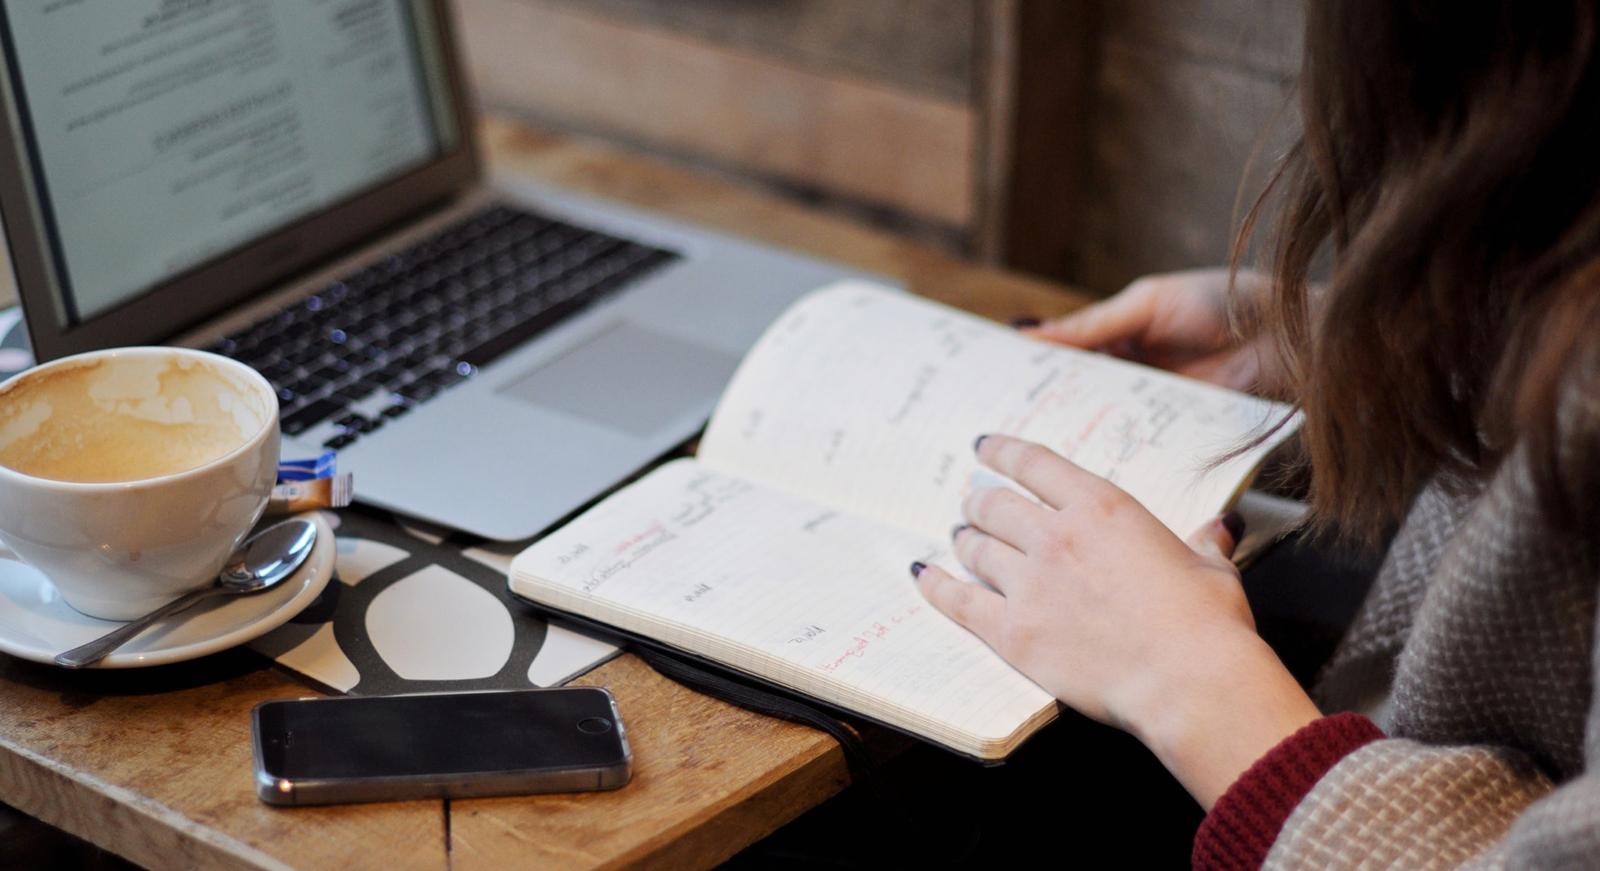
1211,722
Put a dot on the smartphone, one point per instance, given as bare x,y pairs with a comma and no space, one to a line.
439,745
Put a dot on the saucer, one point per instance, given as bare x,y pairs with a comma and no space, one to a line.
36,624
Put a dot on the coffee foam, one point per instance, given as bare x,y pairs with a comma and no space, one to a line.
126,418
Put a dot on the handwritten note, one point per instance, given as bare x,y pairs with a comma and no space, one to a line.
868,400
813,598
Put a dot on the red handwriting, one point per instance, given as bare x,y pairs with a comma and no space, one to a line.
859,644
634,541
1095,421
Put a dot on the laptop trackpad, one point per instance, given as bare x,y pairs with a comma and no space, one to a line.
626,377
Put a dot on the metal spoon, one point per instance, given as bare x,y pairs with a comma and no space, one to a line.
263,561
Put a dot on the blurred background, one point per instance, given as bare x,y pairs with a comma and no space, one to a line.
1087,141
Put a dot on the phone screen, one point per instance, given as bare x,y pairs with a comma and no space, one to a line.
445,733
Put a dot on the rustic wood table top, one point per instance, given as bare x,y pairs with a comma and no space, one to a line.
156,765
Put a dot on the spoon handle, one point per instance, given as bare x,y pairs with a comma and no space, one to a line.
96,650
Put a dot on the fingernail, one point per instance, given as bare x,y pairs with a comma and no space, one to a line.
956,530
1024,322
1234,523
916,569
979,443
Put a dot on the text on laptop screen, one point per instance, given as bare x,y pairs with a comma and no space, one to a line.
165,133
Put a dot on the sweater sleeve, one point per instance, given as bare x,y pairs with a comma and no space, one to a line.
1398,803
1246,820
1405,803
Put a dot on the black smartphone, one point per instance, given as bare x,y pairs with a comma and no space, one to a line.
439,745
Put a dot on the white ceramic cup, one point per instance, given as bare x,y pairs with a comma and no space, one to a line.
120,549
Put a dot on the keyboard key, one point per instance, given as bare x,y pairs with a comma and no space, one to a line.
444,376
302,386
356,392
277,373
305,356
418,391
329,373
355,423
339,441
390,374
310,416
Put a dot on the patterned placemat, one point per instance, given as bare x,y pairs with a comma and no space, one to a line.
412,609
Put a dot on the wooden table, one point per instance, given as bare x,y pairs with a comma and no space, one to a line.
156,767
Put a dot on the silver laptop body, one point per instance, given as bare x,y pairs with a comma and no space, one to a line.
519,441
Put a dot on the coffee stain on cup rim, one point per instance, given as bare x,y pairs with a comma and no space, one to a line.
245,379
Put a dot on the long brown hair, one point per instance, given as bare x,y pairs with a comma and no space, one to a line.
1447,179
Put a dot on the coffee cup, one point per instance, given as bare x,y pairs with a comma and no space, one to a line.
128,476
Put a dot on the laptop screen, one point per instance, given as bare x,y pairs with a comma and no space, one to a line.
163,134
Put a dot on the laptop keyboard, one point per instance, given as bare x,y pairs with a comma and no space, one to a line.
405,329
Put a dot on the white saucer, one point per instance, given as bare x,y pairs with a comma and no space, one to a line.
36,624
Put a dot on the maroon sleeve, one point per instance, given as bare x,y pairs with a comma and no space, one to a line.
1245,821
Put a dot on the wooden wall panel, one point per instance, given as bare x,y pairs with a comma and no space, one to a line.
825,131
1191,109
1259,38
1085,140
1116,134
1166,174
1036,102
923,46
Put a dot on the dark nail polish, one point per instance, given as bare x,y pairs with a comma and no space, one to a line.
956,530
916,569
979,443
1024,322
1234,523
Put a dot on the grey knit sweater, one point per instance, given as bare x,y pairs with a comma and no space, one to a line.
1477,642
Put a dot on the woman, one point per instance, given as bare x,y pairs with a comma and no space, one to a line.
1448,182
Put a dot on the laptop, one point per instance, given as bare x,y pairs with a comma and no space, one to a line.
297,186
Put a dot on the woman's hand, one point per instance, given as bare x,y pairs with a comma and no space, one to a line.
1176,321
1102,606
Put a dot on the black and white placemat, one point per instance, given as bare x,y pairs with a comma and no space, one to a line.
413,610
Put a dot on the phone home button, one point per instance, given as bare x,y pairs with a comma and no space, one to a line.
594,725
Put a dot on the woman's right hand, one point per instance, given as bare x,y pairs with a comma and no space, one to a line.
1176,321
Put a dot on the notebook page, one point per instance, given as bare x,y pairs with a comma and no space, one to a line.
803,595
868,399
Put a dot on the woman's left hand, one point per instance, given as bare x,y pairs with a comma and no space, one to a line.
1102,606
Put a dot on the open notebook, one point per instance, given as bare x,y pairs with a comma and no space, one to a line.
840,453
